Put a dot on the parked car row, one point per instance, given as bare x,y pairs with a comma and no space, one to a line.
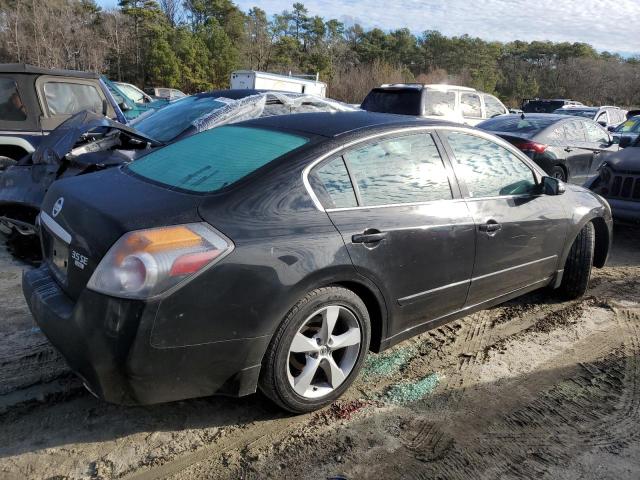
251,239
568,140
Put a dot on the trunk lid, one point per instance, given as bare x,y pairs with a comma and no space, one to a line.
82,217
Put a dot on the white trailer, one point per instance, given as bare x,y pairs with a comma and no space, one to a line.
250,79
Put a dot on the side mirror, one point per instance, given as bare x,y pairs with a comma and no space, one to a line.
124,107
552,186
603,123
625,141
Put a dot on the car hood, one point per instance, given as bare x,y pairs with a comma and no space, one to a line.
625,160
62,140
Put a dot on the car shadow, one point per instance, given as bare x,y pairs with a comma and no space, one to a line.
78,417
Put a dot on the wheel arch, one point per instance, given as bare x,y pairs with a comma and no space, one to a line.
375,306
602,240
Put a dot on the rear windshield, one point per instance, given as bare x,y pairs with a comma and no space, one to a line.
403,102
542,106
214,159
576,112
523,127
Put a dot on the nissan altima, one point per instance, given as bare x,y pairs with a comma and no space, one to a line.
279,251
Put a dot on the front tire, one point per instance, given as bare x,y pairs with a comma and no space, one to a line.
577,268
559,173
317,351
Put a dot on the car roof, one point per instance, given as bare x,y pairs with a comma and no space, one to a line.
334,124
31,69
580,107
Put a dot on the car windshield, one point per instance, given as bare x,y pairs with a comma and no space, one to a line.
542,106
403,102
630,126
523,127
576,112
212,160
167,123
206,112
131,92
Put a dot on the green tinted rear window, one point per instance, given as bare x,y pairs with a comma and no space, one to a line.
214,159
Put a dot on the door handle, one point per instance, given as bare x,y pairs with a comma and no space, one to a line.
368,237
490,227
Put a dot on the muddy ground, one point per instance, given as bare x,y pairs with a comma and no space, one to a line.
536,388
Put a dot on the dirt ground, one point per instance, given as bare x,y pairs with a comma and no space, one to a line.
535,388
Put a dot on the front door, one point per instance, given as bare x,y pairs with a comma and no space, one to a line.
519,231
406,229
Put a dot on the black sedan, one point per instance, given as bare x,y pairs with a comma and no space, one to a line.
568,148
275,253
619,182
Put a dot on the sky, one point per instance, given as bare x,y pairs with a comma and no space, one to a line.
610,25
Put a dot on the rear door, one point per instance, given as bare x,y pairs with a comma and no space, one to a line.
578,154
399,211
599,141
519,232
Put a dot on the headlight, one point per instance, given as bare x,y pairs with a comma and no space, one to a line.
146,263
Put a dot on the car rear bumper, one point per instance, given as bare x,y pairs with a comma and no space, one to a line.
625,210
106,342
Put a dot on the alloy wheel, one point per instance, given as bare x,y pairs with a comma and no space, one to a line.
324,351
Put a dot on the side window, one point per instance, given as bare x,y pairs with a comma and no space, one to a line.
68,98
488,169
595,133
493,106
470,104
399,170
11,107
574,132
438,103
334,177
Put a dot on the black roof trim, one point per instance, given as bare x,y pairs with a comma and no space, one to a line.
33,70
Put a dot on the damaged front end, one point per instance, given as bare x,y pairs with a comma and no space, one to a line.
85,143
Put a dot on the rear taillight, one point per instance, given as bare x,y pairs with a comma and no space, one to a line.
146,263
532,147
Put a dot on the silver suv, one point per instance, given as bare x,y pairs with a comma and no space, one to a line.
445,102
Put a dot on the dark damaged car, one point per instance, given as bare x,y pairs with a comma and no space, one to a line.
619,182
275,253
89,142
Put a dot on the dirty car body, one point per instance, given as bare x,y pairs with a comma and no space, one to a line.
407,237
88,142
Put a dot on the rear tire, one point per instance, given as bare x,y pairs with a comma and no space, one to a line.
577,268
323,339
559,173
